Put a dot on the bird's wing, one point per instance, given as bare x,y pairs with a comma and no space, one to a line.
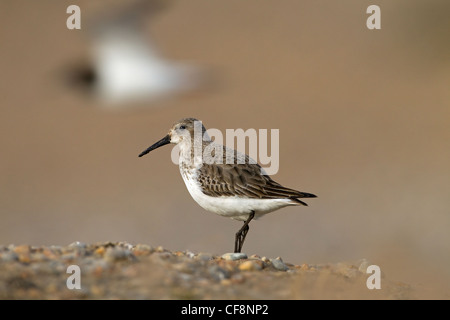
244,180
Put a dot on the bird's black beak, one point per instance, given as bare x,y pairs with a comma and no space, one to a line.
160,143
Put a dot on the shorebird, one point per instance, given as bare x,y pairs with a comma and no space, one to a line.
125,65
224,181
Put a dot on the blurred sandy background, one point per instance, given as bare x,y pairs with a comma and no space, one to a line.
363,118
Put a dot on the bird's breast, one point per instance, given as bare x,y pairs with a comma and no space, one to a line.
234,207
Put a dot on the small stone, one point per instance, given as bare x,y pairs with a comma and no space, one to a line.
100,251
57,267
37,257
49,254
22,249
234,256
144,247
190,254
255,256
279,264
249,265
265,259
68,256
304,267
188,268
78,245
24,258
9,256
116,254
204,256
218,273
125,245
164,254
160,249
228,265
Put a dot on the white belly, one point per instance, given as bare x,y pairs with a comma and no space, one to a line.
233,207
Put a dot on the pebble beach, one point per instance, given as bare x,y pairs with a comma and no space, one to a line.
126,271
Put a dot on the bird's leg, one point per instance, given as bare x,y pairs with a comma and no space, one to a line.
242,233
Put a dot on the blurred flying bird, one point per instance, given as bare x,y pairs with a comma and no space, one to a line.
125,65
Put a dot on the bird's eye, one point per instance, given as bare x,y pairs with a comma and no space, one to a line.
182,127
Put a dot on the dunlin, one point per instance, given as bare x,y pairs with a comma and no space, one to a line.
232,185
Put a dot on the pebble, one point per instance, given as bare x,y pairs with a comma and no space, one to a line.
227,264
192,272
100,251
22,249
188,268
57,267
234,256
126,245
68,257
164,254
143,250
54,249
143,247
304,267
279,264
49,253
78,245
218,273
24,258
204,256
250,265
116,254
9,256
160,249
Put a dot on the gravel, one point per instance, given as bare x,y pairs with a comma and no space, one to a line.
234,256
279,264
125,271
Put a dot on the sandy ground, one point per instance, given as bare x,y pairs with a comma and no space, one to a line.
362,115
126,271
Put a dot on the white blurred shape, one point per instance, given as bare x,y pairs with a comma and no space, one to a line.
126,65
128,68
